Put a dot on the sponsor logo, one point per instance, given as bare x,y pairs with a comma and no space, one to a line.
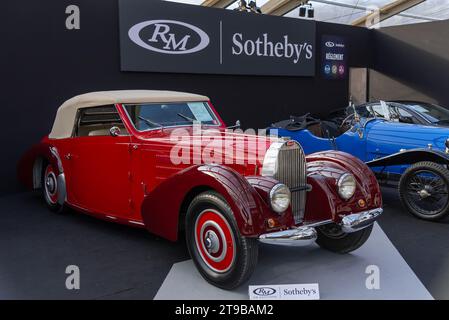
341,69
334,69
285,292
264,291
327,69
330,44
169,36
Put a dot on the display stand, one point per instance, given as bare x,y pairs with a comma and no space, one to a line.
339,276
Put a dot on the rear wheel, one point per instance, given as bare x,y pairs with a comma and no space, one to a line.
222,255
332,238
50,188
423,190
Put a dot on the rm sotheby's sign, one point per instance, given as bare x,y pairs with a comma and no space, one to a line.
161,36
309,291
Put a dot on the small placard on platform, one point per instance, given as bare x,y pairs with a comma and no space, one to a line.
309,291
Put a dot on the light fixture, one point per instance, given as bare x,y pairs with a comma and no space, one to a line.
250,6
307,11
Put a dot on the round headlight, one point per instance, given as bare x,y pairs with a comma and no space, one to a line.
280,198
346,186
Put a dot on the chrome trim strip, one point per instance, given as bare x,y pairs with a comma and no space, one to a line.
136,222
357,221
55,153
270,160
300,236
319,223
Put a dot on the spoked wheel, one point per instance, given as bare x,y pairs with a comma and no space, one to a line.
50,189
333,238
424,190
222,255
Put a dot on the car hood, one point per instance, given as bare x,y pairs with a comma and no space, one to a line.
214,145
407,136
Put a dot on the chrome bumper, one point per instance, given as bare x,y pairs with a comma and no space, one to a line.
306,235
357,221
300,236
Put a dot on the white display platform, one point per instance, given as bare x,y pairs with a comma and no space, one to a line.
339,276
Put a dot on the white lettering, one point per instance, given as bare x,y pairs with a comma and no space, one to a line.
263,47
73,20
73,280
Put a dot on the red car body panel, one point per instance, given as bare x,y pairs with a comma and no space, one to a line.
131,180
324,168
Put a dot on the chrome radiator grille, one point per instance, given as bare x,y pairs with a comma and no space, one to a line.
291,170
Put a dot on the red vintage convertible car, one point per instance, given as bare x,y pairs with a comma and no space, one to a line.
113,155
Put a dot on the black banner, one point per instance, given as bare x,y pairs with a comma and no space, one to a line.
333,57
160,36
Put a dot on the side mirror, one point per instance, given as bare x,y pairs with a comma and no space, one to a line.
236,126
114,131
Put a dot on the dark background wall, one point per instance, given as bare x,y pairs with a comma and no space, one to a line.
412,62
43,64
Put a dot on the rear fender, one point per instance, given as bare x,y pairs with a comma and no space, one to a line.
30,167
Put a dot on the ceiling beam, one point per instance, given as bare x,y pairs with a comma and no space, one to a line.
217,3
385,12
281,7
370,9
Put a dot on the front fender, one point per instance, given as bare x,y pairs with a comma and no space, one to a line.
161,207
411,156
324,170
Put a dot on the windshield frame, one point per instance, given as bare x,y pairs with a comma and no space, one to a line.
187,124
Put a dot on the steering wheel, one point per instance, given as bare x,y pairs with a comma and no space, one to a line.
346,123
307,119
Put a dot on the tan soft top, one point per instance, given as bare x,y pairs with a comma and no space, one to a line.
65,117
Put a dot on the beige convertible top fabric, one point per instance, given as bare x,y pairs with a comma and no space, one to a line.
65,117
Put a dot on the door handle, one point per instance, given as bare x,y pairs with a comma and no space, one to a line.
68,156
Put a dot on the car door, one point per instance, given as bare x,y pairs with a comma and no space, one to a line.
100,163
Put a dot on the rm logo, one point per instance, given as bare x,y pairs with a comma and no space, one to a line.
169,36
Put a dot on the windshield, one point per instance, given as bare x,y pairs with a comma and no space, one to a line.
431,112
155,115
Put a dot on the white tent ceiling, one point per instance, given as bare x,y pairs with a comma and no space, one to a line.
346,11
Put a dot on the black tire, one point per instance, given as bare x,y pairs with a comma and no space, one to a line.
210,218
50,189
423,190
332,238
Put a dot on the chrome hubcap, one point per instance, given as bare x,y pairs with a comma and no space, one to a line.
212,242
50,183
426,192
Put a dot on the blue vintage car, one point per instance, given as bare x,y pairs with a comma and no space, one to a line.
412,157
416,112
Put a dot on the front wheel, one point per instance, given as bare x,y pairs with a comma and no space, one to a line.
332,238
222,255
423,190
